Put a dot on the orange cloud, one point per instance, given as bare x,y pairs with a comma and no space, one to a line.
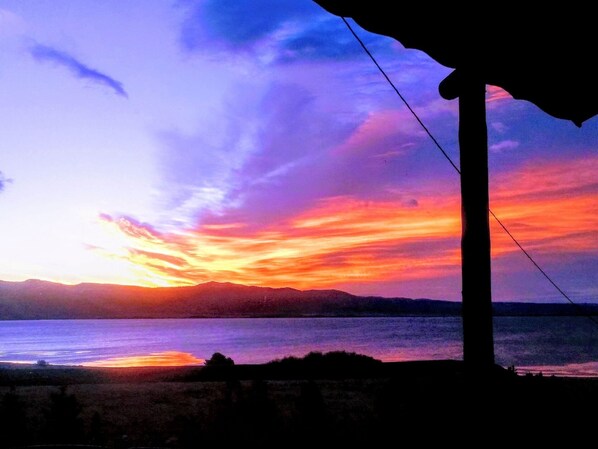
551,206
343,240
382,129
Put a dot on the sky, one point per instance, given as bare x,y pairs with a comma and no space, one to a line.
175,142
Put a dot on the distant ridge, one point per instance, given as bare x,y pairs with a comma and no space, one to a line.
35,299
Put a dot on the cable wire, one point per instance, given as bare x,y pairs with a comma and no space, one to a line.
448,158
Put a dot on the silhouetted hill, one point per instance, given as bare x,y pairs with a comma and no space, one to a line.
35,299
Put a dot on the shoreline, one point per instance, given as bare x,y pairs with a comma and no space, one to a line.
307,316
588,370
48,371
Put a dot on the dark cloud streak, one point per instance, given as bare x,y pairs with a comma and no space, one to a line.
238,23
294,30
46,53
3,181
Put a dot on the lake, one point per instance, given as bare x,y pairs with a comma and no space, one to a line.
552,345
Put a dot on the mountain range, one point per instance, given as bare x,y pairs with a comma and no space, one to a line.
35,299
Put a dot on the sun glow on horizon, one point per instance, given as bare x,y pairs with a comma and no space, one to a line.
303,252
350,239
365,241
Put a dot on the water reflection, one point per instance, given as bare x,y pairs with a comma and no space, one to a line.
165,358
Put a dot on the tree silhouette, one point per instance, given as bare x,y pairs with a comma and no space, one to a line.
219,359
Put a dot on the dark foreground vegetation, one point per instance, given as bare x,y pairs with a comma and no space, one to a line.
336,399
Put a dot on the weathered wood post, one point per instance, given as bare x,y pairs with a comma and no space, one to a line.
478,342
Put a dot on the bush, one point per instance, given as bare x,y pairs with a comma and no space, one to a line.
219,359
333,359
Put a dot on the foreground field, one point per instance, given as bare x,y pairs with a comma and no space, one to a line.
191,407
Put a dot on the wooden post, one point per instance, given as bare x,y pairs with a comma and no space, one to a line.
478,344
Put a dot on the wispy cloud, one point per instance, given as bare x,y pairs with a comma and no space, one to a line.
279,147
46,53
254,159
504,145
11,24
3,181
319,122
499,127
388,130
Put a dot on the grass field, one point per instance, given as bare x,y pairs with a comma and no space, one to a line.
178,408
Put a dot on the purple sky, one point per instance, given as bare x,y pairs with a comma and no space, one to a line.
168,143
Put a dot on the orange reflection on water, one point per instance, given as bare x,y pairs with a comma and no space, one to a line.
166,358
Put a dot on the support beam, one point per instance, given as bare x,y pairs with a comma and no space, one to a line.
478,344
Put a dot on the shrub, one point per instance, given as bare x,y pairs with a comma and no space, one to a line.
219,359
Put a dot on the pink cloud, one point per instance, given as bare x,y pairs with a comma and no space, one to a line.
495,93
389,130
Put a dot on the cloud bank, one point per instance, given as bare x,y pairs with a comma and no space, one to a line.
349,241
272,31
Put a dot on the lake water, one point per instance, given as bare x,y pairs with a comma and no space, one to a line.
553,345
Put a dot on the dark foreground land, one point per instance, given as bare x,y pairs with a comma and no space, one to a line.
409,404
